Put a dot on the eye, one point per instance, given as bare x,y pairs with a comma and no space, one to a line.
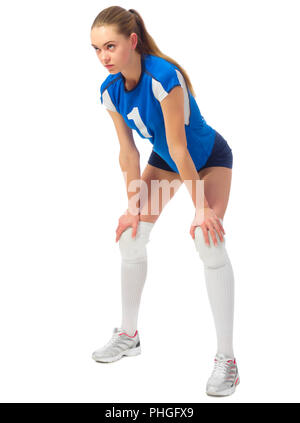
108,45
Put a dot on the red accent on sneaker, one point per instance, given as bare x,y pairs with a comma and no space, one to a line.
236,381
124,333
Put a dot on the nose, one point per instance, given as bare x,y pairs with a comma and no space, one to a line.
105,59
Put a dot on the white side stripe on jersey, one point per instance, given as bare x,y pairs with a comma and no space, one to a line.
159,93
107,101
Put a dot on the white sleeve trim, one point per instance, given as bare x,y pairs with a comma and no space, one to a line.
108,102
158,90
160,93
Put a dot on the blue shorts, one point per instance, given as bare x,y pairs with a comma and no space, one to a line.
221,155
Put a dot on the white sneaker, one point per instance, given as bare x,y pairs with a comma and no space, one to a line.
119,345
224,378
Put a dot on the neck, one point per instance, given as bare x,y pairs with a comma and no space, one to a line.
133,71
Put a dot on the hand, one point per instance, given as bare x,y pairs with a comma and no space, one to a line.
126,220
207,219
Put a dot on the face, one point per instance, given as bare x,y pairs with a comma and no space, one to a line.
113,48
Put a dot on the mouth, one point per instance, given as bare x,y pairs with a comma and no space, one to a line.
109,66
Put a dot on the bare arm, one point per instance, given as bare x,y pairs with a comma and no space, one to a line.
129,160
173,111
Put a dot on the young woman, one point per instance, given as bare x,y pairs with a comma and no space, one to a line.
149,92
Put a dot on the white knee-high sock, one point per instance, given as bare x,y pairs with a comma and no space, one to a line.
133,277
220,289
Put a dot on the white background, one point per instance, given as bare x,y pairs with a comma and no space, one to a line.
62,192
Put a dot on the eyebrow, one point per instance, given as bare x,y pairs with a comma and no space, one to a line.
104,44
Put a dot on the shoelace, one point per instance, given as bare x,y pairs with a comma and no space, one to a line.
113,339
220,368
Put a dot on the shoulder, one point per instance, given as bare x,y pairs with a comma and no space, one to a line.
107,88
158,66
109,81
165,76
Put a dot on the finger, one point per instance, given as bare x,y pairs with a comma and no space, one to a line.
205,234
221,226
213,234
192,232
119,233
219,230
134,230
220,235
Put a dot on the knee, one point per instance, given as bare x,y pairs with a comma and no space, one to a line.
213,256
133,250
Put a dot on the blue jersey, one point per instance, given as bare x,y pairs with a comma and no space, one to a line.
141,109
